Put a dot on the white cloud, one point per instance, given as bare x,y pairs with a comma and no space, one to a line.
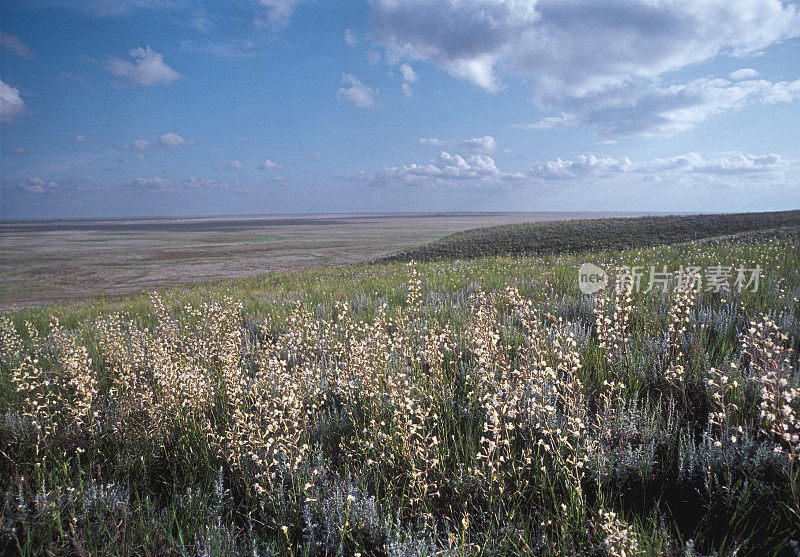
193,182
744,73
579,55
148,69
358,93
11,42
582,166
269,165
408,73
200,21
37,185
485,144
11,104
666,111
350,37
174,140
730,169
551,122
590,166
446,171
373,56
233,165
407,91
154,183
727,163
137,145
17,151
279,12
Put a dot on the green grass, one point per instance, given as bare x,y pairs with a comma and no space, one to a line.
590,235
170,490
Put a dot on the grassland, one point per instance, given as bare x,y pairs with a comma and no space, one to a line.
462,407
539,238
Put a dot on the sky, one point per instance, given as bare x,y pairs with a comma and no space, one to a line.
134,108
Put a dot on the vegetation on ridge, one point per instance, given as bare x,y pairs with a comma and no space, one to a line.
573,236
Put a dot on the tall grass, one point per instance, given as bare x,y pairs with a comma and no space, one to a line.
454,407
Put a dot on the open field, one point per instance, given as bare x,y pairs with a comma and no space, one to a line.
42,262
455,407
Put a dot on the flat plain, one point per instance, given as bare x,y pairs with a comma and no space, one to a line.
61,261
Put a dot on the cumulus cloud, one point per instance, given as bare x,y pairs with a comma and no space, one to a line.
174,140
200,21
408,73
447,170
11,104
12,43
137,145
269,165
485,144
744,73
582,166
154,183
591,166
728,163
600,174
278,14
350,37
193,182
233,165
551,122
148,68
37,185
578,55
358,93
409,76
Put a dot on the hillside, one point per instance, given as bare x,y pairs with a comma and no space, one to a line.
543,238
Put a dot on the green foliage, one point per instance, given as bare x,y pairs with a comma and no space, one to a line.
576,236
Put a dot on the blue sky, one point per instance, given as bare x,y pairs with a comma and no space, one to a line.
173,107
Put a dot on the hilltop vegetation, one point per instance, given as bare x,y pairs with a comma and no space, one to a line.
453,407
590,235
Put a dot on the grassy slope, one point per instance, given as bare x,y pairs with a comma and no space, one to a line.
588,235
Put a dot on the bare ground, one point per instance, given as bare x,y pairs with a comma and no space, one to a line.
58,261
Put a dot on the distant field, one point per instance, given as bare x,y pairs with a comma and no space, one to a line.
53,261
541,238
